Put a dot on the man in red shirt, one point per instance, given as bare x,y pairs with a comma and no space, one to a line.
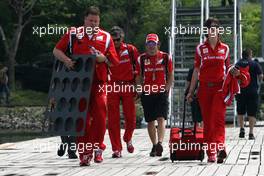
155,77
91,40
212,60
122,75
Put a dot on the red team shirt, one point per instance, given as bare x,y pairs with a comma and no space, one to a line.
213,64
101,41
124,71
154,65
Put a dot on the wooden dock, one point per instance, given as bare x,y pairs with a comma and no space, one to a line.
245,157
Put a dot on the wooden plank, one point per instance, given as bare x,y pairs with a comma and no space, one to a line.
126,171
89,170
140,171
24,160
261,170
112,171
237,170
244,154
251,170
168,170
234,155
154,170
195,171
255,155
223,170
209,170
181,171
71,171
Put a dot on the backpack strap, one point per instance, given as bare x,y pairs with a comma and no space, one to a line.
69,50
142,65
109,73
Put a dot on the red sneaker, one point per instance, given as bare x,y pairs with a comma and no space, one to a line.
211,159
130,147
98,156
85,160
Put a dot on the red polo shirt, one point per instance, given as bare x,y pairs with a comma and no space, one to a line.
213,63
124,71
101,41
154,69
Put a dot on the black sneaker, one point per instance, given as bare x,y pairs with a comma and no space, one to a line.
116,154
61,150
251,136
72,155
242,133
153,151
221,155
159,149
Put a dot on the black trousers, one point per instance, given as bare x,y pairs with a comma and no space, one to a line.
70,141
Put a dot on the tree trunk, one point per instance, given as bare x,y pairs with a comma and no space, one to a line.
12,55
22,9
11,68
127,25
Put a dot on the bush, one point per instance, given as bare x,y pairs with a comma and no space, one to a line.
28,98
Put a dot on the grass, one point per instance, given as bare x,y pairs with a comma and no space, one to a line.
28,98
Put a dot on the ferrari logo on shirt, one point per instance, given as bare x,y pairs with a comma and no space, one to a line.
221,51
124,53
205,50
100,38
147,62
160,61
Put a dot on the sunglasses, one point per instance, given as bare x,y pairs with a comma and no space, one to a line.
151,44
117,40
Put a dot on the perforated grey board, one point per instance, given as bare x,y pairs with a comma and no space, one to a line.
68,96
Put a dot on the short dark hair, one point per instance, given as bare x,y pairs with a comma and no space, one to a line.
92,10
208,23
117,31
246,53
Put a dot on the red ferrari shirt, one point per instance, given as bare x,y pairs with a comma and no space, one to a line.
101,41
154,69
124,71
213,63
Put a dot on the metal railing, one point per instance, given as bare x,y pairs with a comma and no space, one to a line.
182,50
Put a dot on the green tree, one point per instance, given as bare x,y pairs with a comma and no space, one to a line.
251,26
22,15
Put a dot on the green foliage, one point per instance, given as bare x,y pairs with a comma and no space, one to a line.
137,18
28,98
251,21
154,17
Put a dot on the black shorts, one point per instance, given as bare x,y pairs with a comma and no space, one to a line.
154,106
247,104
